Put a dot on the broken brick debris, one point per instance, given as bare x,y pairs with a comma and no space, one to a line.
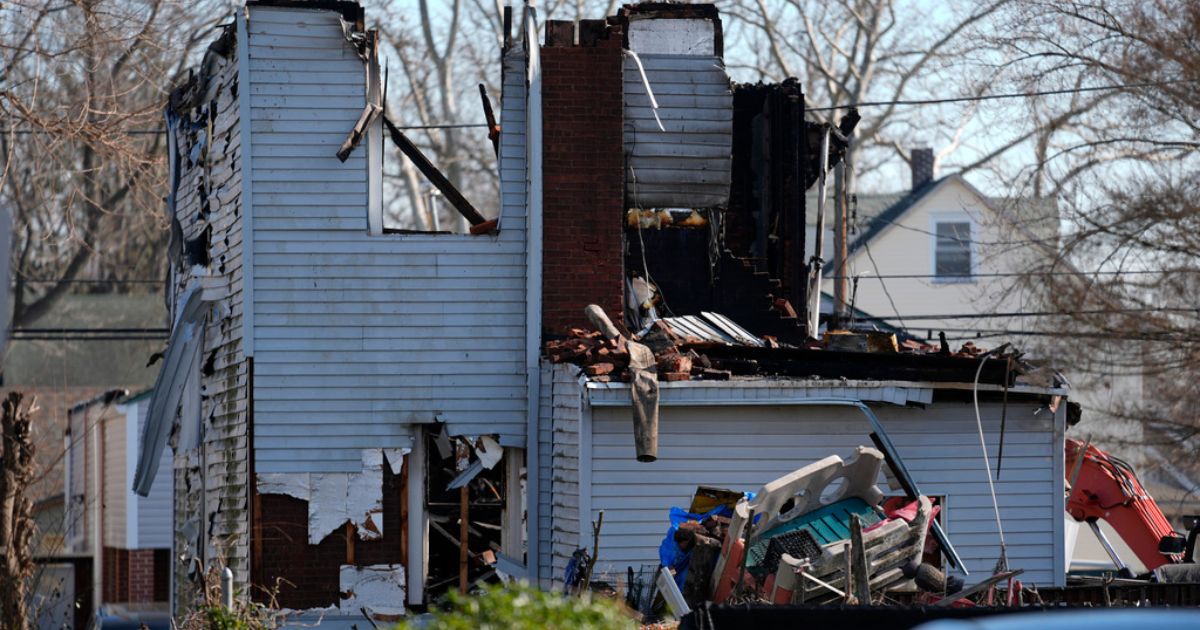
689,348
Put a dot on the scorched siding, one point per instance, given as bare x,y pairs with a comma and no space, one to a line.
357,337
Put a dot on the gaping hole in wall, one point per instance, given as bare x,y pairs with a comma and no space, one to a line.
465,493
420,197
305,556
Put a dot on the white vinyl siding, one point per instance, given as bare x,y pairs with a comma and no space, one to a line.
688,165
115,483
150,517
358,337
723,444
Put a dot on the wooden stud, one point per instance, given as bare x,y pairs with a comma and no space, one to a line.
464,512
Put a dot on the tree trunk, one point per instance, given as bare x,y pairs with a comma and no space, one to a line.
16,526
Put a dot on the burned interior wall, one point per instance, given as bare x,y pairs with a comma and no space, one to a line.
211,511
766,215
583,196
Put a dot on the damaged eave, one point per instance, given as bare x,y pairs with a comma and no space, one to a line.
692,393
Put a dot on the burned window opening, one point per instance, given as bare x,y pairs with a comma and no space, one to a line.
437,185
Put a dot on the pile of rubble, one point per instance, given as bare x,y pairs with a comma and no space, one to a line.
710,346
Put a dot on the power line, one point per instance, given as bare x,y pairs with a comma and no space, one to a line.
1019,274
1017,314
993,97
48,337
89,281
89,334
991,333
157,132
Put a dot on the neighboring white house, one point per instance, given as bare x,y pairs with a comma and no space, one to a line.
127,536
944,257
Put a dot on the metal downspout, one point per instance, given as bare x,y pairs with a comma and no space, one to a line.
533,287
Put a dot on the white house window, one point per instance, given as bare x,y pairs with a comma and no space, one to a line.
952,250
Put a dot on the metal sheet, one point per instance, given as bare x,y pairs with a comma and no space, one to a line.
687,163
692,326
730,328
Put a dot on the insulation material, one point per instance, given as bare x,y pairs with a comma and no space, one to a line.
336,498
378,589
292,484
489,452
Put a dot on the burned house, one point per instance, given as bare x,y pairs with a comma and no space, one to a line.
373,415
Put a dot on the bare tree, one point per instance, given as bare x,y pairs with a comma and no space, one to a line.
1122,165
848,52
81,159
16,522
435,56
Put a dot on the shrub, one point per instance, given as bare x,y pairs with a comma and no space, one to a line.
522,607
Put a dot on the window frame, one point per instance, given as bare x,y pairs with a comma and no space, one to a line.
937,218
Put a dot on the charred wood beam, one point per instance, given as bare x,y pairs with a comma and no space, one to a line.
492,125
432,173
859,365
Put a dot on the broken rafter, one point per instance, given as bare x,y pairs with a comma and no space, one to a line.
432,173
492,125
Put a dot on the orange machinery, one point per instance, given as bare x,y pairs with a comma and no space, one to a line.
1104,487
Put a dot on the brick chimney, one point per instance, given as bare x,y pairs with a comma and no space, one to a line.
922,167
583,173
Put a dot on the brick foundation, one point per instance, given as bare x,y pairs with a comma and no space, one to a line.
583,175
135,575
307,575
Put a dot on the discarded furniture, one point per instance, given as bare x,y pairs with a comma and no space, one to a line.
789,543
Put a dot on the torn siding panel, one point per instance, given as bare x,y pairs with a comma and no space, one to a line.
544,472
211,480
567,410
337,498
377,589
689,164
412,328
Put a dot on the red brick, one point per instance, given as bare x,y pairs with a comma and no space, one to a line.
584,183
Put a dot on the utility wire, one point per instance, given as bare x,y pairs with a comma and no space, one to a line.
158,132
993,97
90,281
972,333
1031,274
1115,311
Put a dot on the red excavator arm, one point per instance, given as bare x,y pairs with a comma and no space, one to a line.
1107,488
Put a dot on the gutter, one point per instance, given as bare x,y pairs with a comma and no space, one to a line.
533,286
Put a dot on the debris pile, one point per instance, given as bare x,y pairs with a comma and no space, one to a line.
710,346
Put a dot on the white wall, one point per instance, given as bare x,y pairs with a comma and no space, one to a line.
150,521
744,447
906,248
358,336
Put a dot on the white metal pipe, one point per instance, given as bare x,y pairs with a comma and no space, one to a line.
418,526
814,284
533,286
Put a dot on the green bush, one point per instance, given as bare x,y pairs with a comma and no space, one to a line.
522,607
